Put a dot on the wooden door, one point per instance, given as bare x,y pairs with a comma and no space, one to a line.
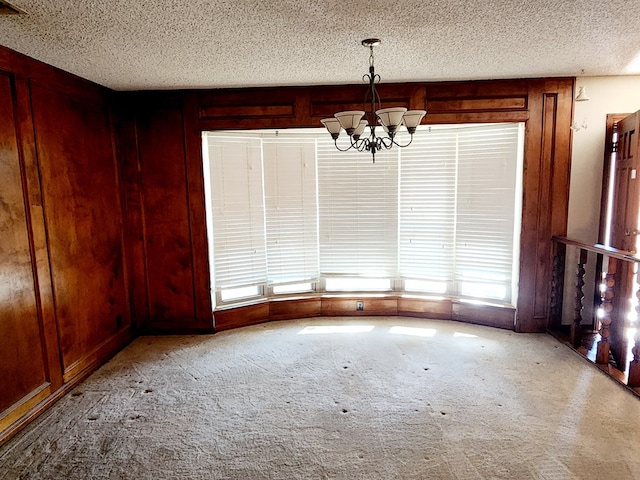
624,218
624,224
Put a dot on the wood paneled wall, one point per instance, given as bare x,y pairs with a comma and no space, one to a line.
164,186
64,304
168,144
103,220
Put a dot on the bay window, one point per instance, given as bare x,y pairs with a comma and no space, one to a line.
287,213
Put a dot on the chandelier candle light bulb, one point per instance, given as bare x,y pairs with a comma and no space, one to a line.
390,119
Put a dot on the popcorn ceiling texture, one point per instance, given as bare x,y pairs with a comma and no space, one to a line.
432,400
163,44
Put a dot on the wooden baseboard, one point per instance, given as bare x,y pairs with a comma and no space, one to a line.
29,409
20,409
98,355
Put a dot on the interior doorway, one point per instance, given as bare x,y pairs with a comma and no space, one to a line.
619,221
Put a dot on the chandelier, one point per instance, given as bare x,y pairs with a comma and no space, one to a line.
390,119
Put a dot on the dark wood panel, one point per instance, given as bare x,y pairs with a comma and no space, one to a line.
297,308
425,308
543,251
479,88
23,366
63,82
475,117
197,218
487,315
545,196
166,217
338,306
229,104
487,104
83,217
248,111
241,316
134,244
386,305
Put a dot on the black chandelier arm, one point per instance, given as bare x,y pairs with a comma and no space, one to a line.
360,144
335,142
394,142
385,142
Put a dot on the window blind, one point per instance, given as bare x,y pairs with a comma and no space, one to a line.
487,168
443,214
290,209
237,202
358,211
428,208
458,201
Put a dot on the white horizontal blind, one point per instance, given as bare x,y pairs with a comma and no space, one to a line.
237,200
428,207
358,211
487,167
290,209
458,209
442,213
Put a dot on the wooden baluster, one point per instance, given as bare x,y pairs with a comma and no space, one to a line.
557,284
634,365
576,336
602,355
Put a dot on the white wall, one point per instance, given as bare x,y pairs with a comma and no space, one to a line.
607,95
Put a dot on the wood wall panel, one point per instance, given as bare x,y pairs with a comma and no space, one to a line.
346,306
127,152
23,359
65,309
166,239
487,315
242,317
381,305
545,198
545,105
425,307
491,104
203,320
84,220
166,219
295,308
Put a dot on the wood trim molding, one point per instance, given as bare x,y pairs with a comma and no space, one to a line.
374,305
99,355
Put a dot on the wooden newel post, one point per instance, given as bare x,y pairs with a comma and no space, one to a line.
602,354
576,336
634,365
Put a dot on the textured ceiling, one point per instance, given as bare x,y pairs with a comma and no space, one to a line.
163,44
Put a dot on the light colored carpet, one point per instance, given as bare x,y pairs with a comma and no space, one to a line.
400,399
